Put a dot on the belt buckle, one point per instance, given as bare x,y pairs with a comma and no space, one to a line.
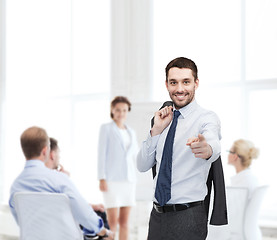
187,205
157,208
174,208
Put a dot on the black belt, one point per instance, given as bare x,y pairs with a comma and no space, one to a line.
175,207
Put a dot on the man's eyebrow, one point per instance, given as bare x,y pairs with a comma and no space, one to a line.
184,79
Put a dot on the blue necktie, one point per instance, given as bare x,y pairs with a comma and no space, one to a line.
163,186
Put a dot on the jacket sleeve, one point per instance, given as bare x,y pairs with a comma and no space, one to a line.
102,152
216,178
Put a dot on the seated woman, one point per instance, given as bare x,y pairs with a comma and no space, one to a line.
240,156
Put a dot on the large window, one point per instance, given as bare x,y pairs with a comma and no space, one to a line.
57,77
260,40
234,45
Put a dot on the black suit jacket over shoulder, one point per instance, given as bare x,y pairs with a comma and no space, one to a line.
215,179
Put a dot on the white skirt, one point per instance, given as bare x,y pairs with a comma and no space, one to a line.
120,194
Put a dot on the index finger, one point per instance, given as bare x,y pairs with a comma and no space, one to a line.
192,140
196,144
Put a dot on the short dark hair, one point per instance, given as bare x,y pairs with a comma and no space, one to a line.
182,62
33,140
120,99
53,144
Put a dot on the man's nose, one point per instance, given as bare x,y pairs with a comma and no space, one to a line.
180,87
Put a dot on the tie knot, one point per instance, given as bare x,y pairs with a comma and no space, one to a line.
176,114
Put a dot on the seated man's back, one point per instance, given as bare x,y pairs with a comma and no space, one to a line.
36,177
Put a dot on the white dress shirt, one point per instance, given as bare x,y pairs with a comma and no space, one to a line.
36,177
189,174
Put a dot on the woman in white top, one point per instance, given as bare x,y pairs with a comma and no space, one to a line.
116,166
240,156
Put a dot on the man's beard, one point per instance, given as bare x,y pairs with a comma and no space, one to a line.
179,105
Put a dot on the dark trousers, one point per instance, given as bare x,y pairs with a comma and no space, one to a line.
189,224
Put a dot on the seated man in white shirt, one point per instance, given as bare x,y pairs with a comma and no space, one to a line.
36,148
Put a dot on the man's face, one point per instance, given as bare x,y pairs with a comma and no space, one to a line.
47,151
181,86
55,155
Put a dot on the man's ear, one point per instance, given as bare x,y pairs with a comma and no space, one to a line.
44,151
196,83
51,157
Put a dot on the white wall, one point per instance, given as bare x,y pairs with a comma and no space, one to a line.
2,85
131,40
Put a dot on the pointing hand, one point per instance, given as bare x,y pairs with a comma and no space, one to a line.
200,147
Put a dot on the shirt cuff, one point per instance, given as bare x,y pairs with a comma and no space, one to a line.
215,151
93,233
101,175
101,224
88,233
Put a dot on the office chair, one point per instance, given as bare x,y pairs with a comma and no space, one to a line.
237,201
44,216
243,215
251,227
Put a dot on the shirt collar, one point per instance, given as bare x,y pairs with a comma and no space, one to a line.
186,110
34,163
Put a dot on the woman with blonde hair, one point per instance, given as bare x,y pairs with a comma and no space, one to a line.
117,151
240,156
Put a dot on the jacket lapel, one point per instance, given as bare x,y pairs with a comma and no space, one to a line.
117,133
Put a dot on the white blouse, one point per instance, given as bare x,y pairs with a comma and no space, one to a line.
246,179
125,137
